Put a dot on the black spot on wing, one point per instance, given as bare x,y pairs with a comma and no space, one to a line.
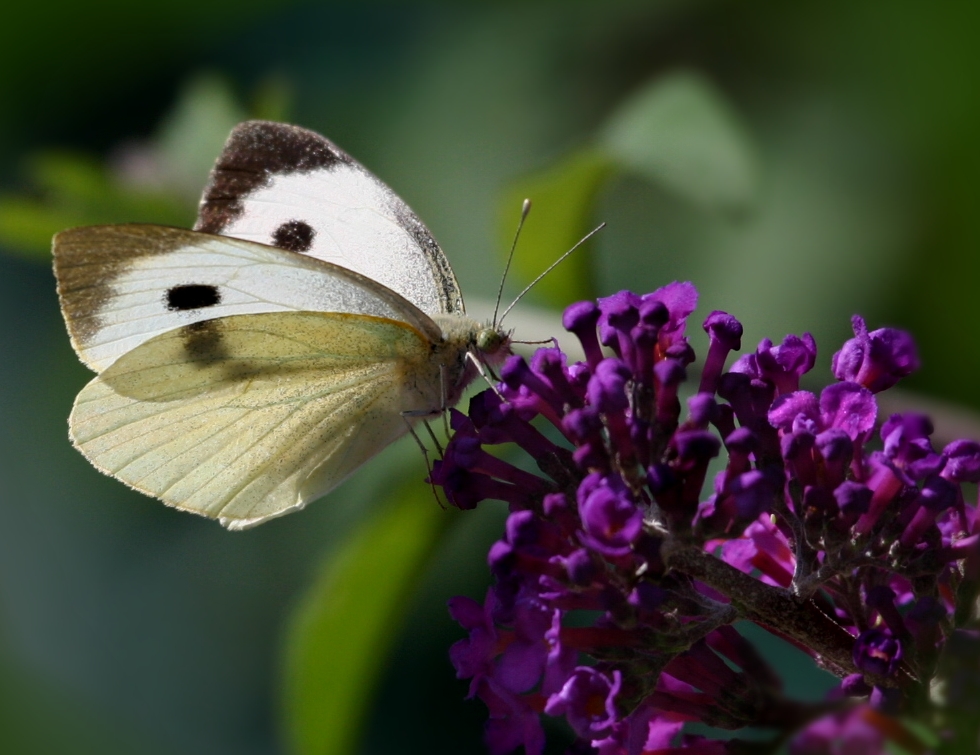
192,296
255,152
294,235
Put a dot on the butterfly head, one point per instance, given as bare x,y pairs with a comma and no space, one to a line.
467,350
492,343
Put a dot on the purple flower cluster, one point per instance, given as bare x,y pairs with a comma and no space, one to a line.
619,576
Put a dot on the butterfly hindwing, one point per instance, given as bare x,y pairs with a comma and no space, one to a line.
121,285
245,418
289,187
247,367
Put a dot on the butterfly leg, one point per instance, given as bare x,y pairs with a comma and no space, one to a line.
435,440
407,416
444,410
482,369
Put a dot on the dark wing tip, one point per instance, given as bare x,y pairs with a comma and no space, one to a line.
271,147
254,153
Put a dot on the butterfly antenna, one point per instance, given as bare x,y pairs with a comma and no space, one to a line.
525,209
551,267
552,341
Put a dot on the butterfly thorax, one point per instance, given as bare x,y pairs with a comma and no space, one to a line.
462,335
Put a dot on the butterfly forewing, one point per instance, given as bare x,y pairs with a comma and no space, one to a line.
121,285
289,187
245,418
249,366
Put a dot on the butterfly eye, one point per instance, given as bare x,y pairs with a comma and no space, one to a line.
489,340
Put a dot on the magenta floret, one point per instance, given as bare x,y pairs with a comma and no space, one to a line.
621,572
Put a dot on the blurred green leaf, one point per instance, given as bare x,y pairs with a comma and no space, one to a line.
68,175
562,197
272,99
680,132
339,638
153,182
192,134
27,227
919,736
76,190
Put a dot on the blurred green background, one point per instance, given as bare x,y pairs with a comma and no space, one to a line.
798,161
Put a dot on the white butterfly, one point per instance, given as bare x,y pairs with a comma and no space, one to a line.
247,367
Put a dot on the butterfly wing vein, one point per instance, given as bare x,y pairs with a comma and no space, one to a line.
265,413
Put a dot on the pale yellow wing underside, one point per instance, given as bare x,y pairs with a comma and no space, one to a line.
247,417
